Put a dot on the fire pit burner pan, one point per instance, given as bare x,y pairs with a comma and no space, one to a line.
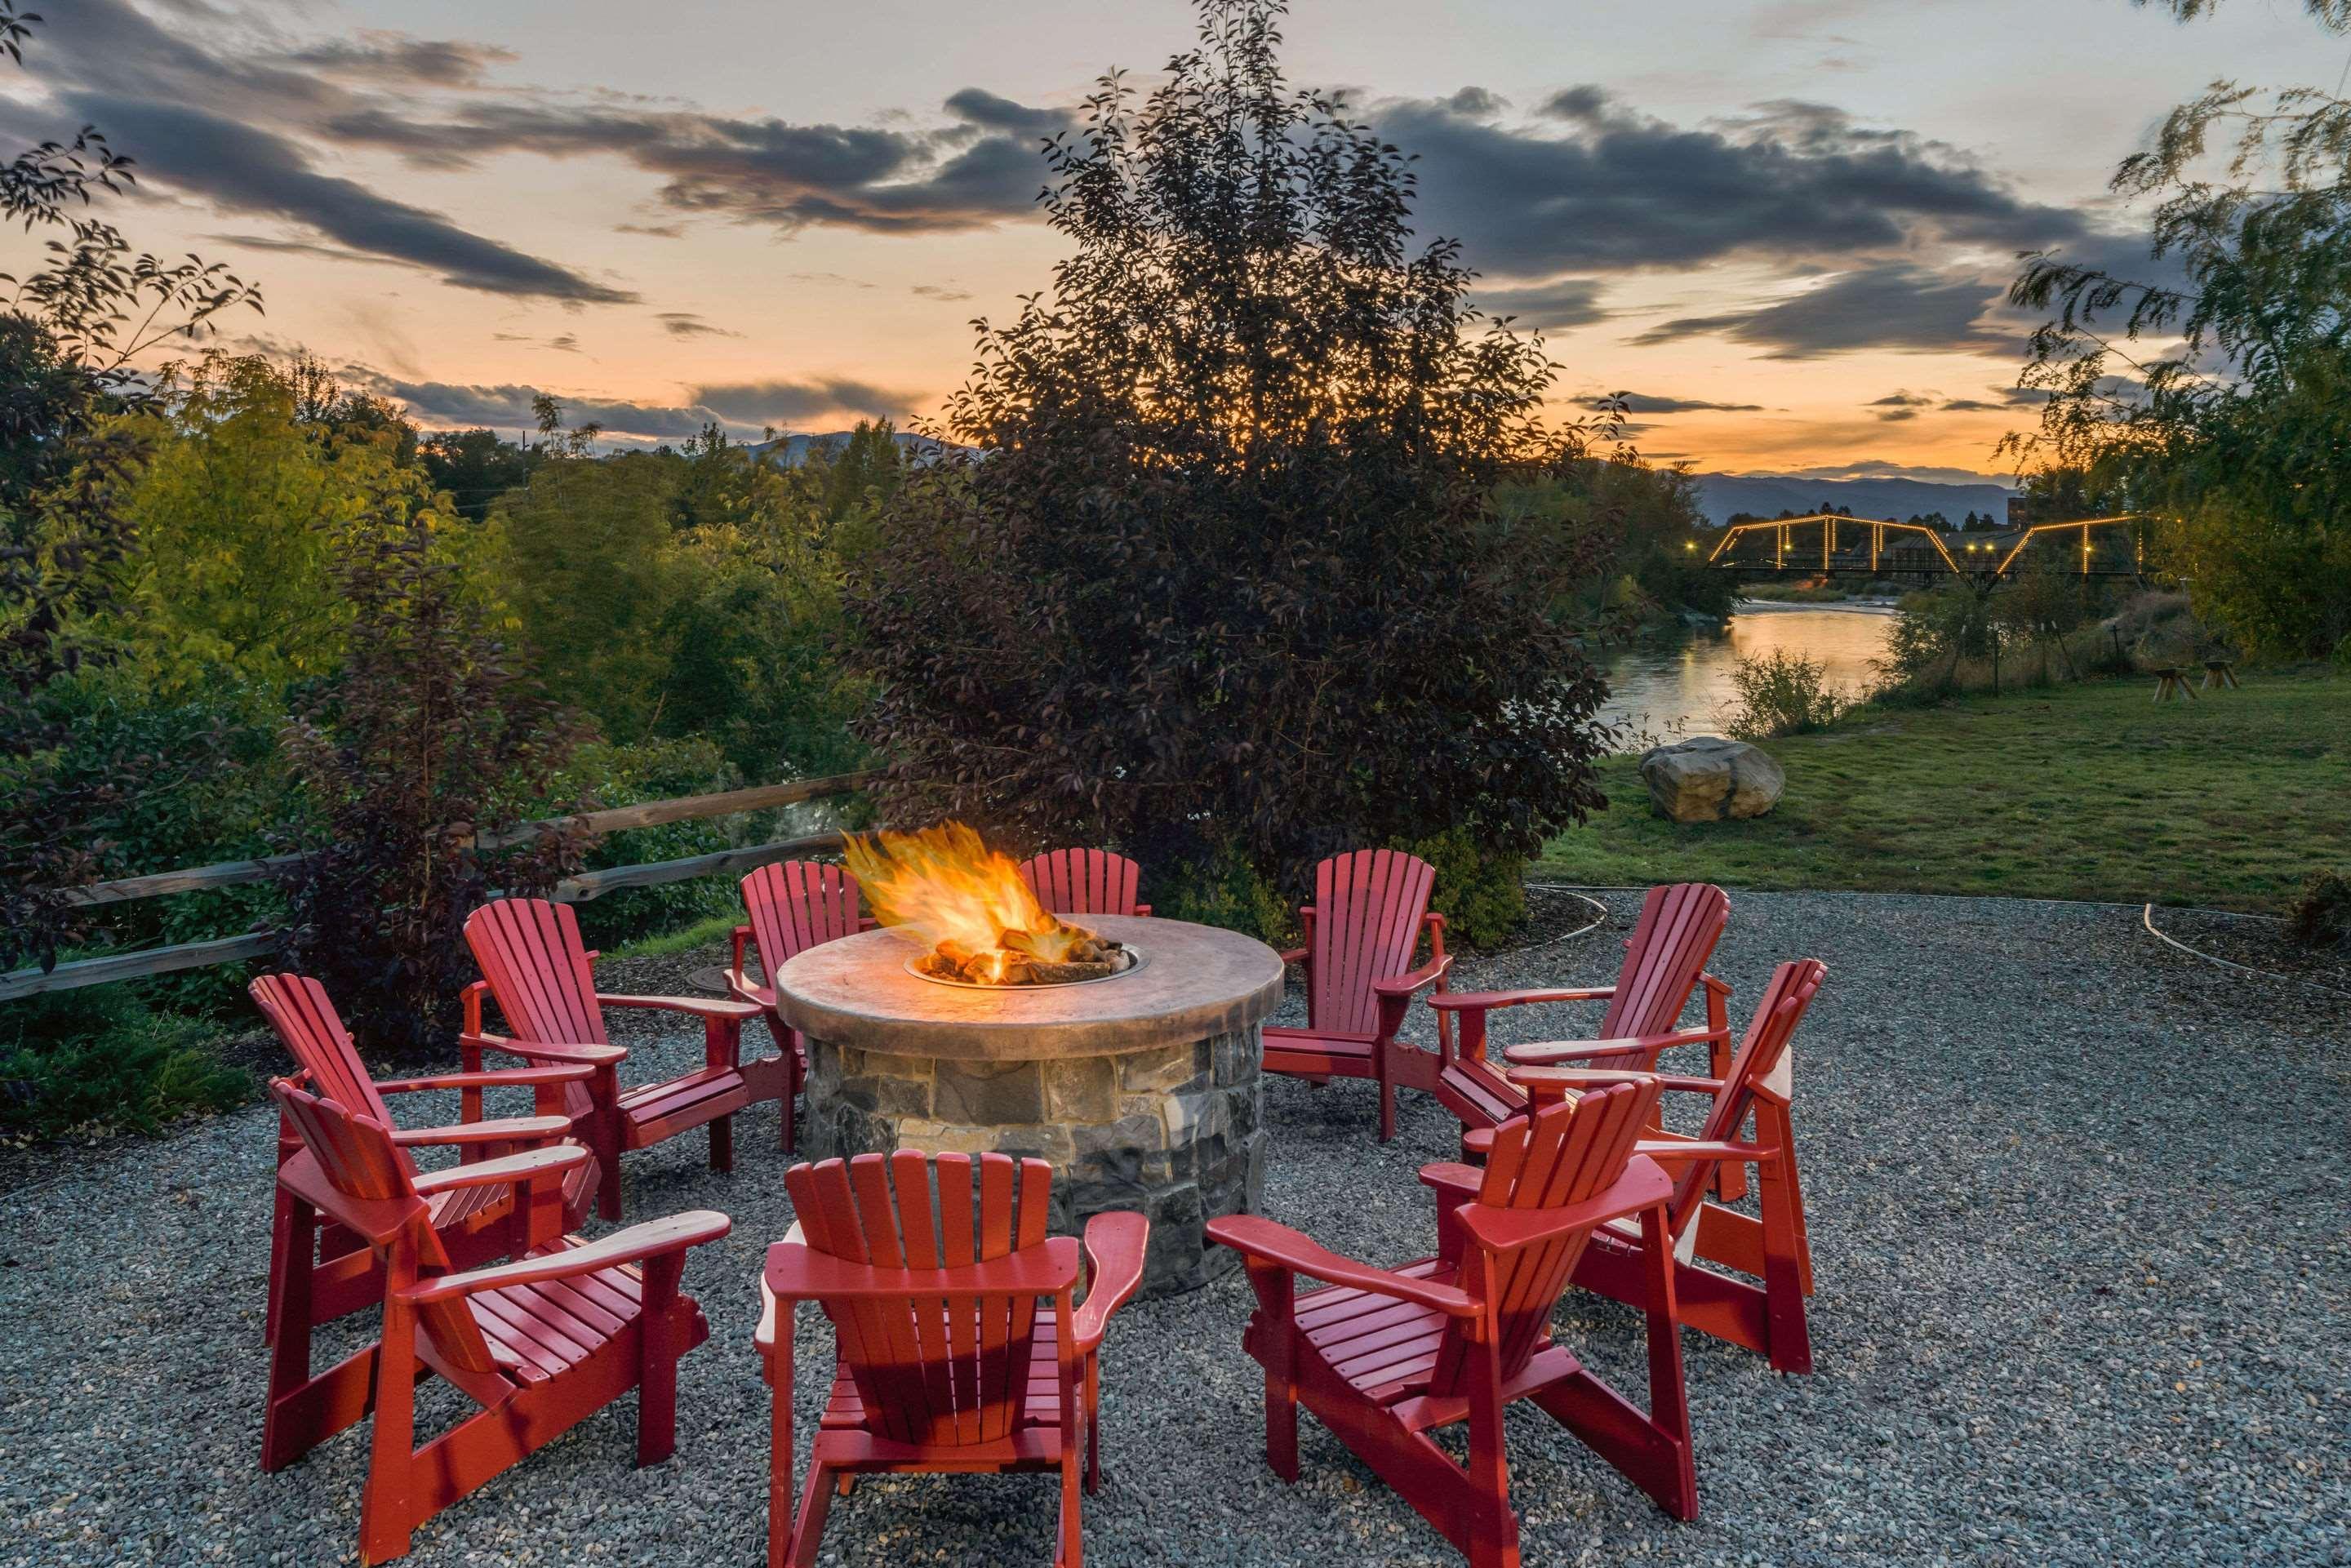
1141,958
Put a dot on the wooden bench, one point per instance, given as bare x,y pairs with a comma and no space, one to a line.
2172,682
2219,672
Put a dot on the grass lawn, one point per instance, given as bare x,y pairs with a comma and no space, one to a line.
2088,791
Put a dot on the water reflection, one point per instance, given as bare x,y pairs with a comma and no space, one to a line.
1669,689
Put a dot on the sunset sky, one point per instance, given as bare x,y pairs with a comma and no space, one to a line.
1784,227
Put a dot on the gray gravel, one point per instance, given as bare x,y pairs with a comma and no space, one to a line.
2078,1204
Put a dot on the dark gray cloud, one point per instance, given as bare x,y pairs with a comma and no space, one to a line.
1901,400
253,171
1623,189
686,324
192,120
939,291
1554,305
791,401
1888,305
507,406
1880,467
1643,403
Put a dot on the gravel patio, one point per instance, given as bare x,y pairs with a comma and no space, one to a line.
2082,1225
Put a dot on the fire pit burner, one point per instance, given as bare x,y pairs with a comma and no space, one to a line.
1136,958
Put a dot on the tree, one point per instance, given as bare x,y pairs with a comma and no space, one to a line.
254,481
1230,581
67,338
430,736
474,467
2237,438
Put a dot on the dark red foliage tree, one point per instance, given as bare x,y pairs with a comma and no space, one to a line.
428,738
1222,574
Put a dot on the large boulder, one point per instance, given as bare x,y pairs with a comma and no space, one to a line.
1707,779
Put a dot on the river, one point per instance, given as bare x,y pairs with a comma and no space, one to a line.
1666,689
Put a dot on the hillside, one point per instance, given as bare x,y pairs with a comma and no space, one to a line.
1768,495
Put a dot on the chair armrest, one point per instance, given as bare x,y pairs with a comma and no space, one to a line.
739,940
1601,1077
1452,1178
698,1007
1115,1246
503,1130
1643,1186
496,1078
1403,986
1487,1001
1547,1052
799,1273
1261,1240
1688,1149
1290,955
653,1239
1142,909
513,1170
570,1053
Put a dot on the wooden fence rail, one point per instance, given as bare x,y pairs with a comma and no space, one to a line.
590,885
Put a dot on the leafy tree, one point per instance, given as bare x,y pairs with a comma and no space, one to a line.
429,736
1230,579
255,482
474,467
68,334
2237,436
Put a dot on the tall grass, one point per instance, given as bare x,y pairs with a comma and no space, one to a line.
1780,693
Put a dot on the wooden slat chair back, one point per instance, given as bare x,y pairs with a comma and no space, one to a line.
931,1270
471,1222
792,906
1085,882
929,1372
1387,1357
1366,922
1665,962
1663,959
1544,1162
539,1344
1713,1243
542,977
1370,911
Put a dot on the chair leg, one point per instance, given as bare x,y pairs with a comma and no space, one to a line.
604,1137
657,1369
1072,1551
281,1248
387,1505
1093,1423
1387,1098
722,1144
816,1501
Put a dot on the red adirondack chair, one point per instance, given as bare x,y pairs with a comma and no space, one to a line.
1775,1247
1384,1357
475,1223
1665,961
1083,882
543,979
1369,908
793,907
539,1344
944,1359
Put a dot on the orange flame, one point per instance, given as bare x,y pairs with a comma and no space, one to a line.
949,893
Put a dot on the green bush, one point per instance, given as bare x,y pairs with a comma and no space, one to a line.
1224,889
1782,692
1481,891
2321,913
99,1061
652,770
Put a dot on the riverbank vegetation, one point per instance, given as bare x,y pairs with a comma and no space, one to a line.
2087,791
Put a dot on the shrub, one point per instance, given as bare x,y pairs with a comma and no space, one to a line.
1220,887
98,1060
653,770
1782,692
1482,893
1231,571
428,738
2321,913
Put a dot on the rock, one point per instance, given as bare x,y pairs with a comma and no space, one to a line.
1707,779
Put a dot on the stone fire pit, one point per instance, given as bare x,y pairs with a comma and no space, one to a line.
1140,1089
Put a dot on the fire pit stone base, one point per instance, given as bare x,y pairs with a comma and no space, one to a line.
1175,1131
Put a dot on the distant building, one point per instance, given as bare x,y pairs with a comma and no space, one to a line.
2020,511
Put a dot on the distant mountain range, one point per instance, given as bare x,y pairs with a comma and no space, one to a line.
792,451
1769,494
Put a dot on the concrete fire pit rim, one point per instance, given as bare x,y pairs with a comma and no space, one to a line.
856,993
